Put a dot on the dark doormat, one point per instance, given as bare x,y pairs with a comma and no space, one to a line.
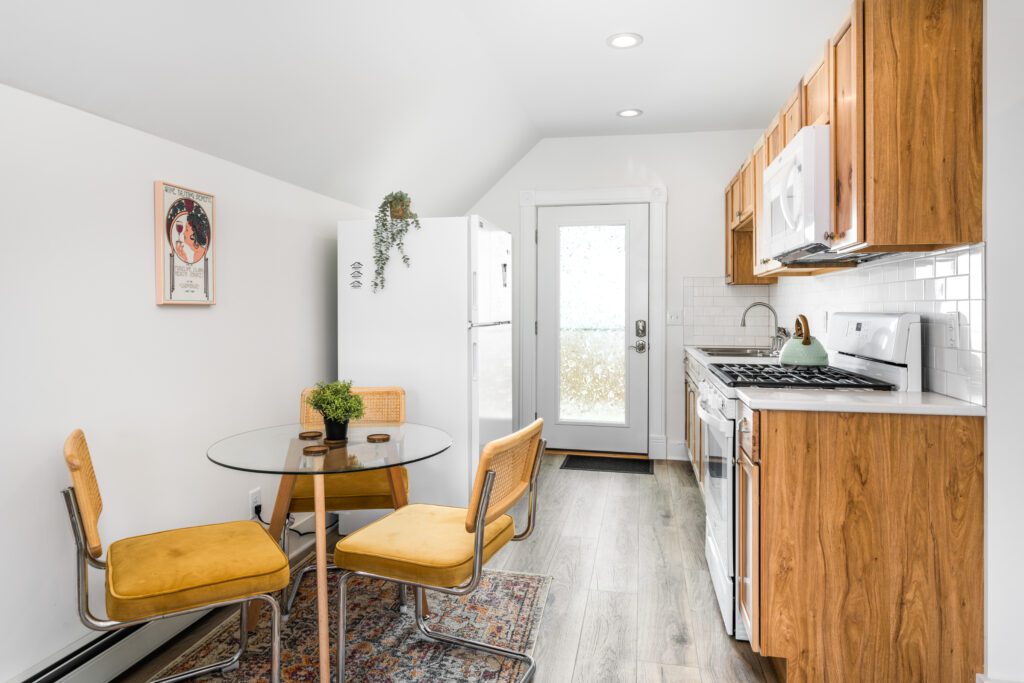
596,463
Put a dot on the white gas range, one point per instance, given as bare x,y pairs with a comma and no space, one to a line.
868,352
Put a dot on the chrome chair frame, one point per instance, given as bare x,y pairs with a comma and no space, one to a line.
85,560
465,589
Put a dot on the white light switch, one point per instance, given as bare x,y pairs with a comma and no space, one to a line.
952,330
674,318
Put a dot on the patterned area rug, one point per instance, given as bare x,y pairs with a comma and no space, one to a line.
384,644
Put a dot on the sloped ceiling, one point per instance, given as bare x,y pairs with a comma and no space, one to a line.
350,99
439,97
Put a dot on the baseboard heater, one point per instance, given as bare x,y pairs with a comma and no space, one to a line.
111,654
73,660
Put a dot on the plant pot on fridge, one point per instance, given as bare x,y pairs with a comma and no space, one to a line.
337,404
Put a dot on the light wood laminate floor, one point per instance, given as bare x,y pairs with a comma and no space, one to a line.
631,598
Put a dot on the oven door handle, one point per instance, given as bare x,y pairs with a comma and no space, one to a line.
713,421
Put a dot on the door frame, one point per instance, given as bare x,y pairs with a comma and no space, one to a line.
525,254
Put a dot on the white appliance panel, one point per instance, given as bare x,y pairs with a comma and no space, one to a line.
492,272
413,333
798,195
493,398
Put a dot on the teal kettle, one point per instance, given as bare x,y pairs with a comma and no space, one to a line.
803,349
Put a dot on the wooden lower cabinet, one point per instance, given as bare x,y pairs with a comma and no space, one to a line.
748,516
868,552
694,434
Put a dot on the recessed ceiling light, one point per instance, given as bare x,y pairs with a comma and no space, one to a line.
630,113
625,40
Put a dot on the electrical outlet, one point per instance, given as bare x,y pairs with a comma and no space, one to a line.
952,330
255,498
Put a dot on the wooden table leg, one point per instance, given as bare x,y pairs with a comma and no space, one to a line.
323,615
282,504
400,498
398,493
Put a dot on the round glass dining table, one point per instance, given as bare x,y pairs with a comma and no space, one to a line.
281,450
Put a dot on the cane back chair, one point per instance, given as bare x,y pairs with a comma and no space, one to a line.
174,572
355,490
444,548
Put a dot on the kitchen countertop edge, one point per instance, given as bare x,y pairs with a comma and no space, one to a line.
845,401
842,401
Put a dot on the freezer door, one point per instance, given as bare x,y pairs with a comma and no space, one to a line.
491,266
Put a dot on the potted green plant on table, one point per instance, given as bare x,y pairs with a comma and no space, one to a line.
394,218
336,402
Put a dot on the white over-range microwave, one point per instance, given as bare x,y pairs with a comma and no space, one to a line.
798,198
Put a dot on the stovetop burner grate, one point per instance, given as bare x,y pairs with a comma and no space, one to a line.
802,377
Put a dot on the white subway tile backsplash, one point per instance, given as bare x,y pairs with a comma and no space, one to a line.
945,265
716,311
958,287
935,285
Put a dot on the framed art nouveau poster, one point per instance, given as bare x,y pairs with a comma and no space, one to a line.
185,244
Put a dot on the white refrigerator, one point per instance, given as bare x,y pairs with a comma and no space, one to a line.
441,328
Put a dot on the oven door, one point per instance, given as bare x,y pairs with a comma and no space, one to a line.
719,478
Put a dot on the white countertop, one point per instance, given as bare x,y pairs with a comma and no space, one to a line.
857,401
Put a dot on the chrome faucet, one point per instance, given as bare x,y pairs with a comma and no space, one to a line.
780,335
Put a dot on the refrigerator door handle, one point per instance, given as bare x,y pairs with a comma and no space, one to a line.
499,322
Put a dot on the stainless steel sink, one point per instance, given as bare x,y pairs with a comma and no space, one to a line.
739,351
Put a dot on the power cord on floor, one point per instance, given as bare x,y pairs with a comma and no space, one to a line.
259,509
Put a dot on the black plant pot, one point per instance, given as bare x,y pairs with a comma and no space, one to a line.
334,430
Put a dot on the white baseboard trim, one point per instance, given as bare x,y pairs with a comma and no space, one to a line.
982,678
656,447
677,451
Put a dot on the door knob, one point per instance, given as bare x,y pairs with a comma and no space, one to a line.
640,346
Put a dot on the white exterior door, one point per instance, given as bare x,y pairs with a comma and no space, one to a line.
592,264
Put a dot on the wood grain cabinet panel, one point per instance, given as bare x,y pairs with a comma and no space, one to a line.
817,91
792,115
847,114
736,201
923,127
728,236
871,546
747,191
740,200
773,140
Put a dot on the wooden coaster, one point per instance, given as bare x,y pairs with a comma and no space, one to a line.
335,442
315,450
310,436
378,438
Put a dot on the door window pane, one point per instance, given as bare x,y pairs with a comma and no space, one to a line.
592,323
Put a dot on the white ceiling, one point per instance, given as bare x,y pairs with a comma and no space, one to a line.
707,65
354,99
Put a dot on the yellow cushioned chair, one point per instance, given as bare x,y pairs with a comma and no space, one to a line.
445,548
356,490
173,572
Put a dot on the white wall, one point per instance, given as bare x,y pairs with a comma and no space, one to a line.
1004,463
694,167
82,344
